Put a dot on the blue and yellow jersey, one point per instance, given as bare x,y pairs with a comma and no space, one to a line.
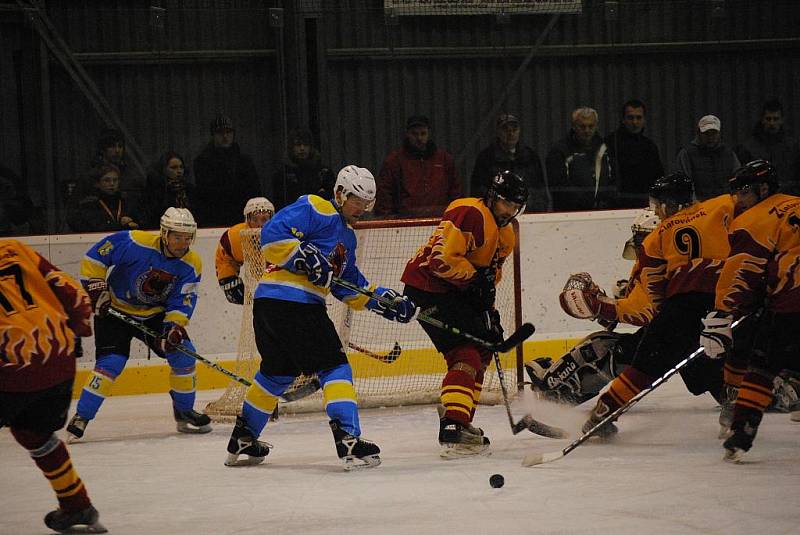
144,282
315,220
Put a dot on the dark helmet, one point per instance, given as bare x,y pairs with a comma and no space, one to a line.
675,188
755,172
509,186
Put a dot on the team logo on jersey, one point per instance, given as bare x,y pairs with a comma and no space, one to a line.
104,249
154,285
338,258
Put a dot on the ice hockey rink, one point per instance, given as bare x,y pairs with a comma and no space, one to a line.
663,474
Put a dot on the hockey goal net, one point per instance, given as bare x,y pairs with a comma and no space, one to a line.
393,364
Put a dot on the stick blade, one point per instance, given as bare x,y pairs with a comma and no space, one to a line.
535,458
517,337
394,354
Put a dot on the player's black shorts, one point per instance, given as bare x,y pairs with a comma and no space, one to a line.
113,336
44,411
454,309
295,338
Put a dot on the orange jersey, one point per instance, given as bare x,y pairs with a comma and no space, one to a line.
685,253
229,257
764,259
635,308
42,309
467,238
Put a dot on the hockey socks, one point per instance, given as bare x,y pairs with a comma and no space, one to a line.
99,384
262,398
339,397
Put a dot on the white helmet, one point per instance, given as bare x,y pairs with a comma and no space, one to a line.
358,181
258,204
645,222
178,220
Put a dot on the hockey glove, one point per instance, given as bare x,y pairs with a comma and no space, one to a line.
401,310
482,287
99,295
717,335
316,267
234,289
495,327
588,304
173,334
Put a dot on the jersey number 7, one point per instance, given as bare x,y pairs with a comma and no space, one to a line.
16,272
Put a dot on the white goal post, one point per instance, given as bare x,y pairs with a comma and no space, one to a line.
416,375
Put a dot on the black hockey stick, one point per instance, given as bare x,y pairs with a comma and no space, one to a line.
388,358
517,337
536,458
301,392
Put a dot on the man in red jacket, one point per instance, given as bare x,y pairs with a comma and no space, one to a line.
417,179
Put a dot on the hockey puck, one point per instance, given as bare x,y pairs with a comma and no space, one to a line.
497,481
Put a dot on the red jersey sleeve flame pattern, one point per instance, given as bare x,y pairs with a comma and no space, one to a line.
635,308
466,238
764,258
41,311
685,253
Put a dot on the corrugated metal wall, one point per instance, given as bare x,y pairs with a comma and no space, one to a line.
167,70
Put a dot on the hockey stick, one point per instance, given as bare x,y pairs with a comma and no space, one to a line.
388,358
536,458
527,422
517,337
305,390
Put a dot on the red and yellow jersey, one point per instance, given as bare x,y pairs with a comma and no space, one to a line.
467,238
764,260
635,308
685,253
42,309
229,257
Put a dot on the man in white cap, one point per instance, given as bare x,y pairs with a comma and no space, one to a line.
707,160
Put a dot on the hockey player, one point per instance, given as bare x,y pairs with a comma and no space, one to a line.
456,272
229,257
42,311
154,279
680,265
761,271
305,245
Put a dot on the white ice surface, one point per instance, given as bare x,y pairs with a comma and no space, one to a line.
663,474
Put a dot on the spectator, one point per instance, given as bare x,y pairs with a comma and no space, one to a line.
634,157
770,141
507,153
707,160
167,185
18,217
225,177
579,173
417,179
111,150
302,171
105,209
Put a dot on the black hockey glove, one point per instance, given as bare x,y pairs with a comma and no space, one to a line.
494,326
99,295
482,287
234,289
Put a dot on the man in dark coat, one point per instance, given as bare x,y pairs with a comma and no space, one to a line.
302,171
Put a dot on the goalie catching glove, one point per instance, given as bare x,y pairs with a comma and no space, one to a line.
583,299
99,295
318,269
717,335
234,289
402,308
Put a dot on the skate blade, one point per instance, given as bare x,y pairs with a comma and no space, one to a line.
735,456
184,427
461,451
97,527
73,439
724,432
352,463
234,460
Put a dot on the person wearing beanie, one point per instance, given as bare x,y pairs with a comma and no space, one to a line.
225,177
302,171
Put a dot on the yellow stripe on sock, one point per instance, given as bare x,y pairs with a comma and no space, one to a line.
183,384
260,398
99,384
338,391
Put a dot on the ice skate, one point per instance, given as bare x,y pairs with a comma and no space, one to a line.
76,428
605,432
85,521
191,421
355,452
243,442
726,413
458,440
739,442
469,427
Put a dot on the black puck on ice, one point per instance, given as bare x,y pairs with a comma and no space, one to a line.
497,481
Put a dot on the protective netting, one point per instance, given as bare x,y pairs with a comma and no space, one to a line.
381,376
